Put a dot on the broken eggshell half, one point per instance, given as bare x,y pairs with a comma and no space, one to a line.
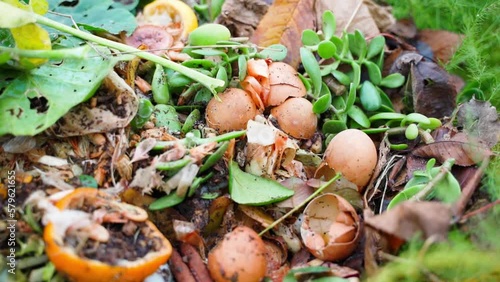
330,228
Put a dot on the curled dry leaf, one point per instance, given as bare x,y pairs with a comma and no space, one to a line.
480,119
283,23
430,219
465,154
443,43
186,231
142,150
85,119
242,17
330,229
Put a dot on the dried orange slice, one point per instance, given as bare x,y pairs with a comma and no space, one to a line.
161,11
65,251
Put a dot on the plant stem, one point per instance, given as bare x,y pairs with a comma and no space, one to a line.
445,168
199,141
58,54
209,82
312,196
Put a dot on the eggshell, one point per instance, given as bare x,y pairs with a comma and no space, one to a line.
352,153
284,82
240,256
232,112
296,118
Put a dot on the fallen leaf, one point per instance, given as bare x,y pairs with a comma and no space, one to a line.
343,10
465,154
147,179
433,94
242,17
430,219
382,15
443,43
283,23
142,150
404,28
480,119
85,119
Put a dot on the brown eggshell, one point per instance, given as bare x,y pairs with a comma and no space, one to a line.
296,118
240,256
352,153
285,83
232,112
325,231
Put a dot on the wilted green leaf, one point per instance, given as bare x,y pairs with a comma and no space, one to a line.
249,189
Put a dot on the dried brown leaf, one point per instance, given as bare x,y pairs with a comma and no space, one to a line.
241,17
433,93
443,43
343,10
465,154
430,219
283,23
480,119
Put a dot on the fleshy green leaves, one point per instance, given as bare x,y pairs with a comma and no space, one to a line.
248,189
34,100
95,15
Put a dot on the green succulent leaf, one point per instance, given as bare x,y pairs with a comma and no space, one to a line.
326,49
394,80
312,68
275,52
329,24
376,46
357,114
369,96
373,72
310,38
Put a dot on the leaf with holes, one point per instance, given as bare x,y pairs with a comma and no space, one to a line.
32,101
94,15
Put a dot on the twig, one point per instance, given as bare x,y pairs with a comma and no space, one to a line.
358,6
445,168
312,196
469,189
479,210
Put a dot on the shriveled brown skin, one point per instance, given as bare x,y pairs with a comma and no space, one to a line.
179,269
240,256
296,118
232,112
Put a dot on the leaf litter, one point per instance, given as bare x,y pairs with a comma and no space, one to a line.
123,133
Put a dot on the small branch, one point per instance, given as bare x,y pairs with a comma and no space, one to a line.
479,210
312,196
445,168
469,189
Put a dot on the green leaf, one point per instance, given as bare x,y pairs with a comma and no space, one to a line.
194,116
159,86
215,157
416,118
322,104
290,277
310,38
373,72
341,77
411,132
166,116
167,201
356,77
375,46
390,116
87,181
338,43
242,67
35,100
312,68
369,97
333,126
249,189
394,80
94,15
351,97
405,195
275,52
329,24
326,49
357,114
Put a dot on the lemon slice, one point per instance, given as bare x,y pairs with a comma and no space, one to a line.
172,11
